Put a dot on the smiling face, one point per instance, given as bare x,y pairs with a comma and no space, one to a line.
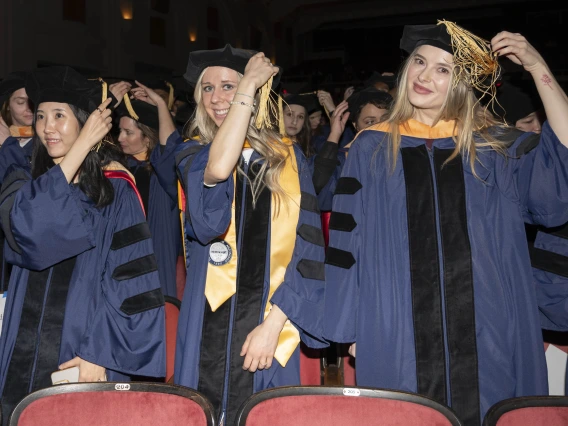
294,118
428,79
57,127
20,110
218,88
131,139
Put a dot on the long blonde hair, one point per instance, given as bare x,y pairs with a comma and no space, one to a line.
266,142
472,120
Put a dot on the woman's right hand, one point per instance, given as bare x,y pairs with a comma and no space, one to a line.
97,125
339,119
353,350
258,70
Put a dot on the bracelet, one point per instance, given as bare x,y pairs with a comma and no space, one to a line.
244,94
243,103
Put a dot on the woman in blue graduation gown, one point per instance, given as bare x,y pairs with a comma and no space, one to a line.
428,267
255,247
138,137
84,289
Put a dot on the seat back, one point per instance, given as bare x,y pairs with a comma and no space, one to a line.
172,307
111,404
331,405
529,411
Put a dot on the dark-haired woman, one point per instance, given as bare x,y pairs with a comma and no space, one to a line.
84,289
296,122
138,138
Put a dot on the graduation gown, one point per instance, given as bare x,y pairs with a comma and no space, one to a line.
163,219
208,344
428,266
11,153
84,283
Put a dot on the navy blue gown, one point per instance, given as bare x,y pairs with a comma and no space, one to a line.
84,283
163,218
428,267
208,344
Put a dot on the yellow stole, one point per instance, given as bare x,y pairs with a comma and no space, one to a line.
222,280
21,132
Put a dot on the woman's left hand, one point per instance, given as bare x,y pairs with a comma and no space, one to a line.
88,372
515,47
119,90
143,93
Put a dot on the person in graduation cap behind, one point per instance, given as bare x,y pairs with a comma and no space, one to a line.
15,123
363,108
138,137
296,121
84,291
255,271
428,269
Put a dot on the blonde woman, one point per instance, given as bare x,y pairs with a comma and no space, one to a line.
428,267
255,248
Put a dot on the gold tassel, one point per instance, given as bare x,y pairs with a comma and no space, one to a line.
474,61
263,112
171,95
129,108
281,125
106,139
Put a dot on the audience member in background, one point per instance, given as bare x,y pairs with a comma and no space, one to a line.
16,118
250,202
364,109
84,288
296,109
428,269
320,136
138,138
520,107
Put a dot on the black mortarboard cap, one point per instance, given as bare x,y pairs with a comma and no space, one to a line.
376,77
64,84
228,57
146,114
515,103
414,36
309,101
363,97
12,82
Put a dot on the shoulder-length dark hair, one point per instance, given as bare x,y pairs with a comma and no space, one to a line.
304,140
92,180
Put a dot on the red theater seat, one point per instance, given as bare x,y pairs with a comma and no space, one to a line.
525,411
172,306
112,404
310,366
330,406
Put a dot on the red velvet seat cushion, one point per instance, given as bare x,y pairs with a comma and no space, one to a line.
547,416
124,408
172,316
319,410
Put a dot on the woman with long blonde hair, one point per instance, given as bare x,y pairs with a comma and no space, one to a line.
254,243
429,276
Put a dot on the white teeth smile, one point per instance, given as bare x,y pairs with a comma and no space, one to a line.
221,111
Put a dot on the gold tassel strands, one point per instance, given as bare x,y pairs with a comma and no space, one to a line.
106,139
170,95
129,107
281,126
264,106
474,61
